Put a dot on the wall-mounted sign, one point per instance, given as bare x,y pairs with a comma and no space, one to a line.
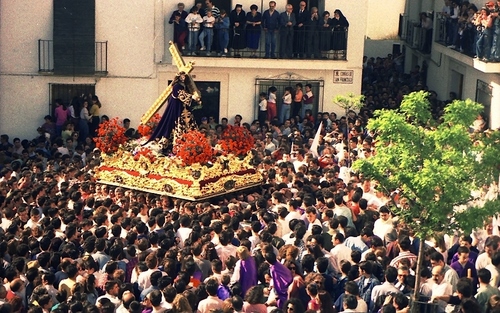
343,76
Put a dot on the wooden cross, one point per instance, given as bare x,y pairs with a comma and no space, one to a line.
181,67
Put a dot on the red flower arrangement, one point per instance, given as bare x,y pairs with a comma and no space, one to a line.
193,147
236,140
145,152
110,135
147,129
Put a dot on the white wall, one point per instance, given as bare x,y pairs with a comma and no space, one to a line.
137,38
383,18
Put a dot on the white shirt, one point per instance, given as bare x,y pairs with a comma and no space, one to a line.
482,261
340,252
183,234
443,289
381,227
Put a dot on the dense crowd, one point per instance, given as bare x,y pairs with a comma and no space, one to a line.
313,238
297,32
471,30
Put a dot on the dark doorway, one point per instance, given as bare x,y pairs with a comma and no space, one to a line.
263,85
310,4
67,92
484,92
210,99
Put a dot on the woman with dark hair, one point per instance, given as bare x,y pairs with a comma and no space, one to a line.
253,300
325,302
325,34
339,41
297,288
177,114
293,305
253,20
94,112
89,288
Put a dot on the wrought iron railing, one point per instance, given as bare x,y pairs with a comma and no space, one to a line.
46,56
310,43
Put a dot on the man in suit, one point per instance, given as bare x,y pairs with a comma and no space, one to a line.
287,22
300,30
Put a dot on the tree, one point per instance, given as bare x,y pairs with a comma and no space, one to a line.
349,102
439,168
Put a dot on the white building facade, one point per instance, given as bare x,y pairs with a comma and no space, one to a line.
133,64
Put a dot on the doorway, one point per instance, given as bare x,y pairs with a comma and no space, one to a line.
456,83
263,85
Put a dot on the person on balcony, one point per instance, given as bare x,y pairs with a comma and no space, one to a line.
270,24
300,29
287,22
495,44
312,37
253,22
426,24
207,32
178,18
484,25
238,21
193,21
339,41
222,26
325,34
452,23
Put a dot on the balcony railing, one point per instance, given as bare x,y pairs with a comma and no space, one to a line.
414,35
46,57
460,37
308,43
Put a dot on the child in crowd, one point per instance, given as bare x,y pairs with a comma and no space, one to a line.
271,103
208,32
287,104
262,108
193,21
222,25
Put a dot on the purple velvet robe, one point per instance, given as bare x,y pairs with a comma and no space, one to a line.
170,116
282,278
248,274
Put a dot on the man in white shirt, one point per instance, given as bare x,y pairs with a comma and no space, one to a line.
384,224
143,280
440,288
112,288
184,231
490,247
339,252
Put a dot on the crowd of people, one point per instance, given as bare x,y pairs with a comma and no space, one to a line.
303,32
472,30
313,238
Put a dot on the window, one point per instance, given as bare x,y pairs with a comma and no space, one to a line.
74,37
263,85
67,92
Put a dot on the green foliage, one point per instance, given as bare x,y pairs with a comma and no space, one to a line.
436,167
349,101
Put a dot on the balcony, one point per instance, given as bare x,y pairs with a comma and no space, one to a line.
460,46
412,33
309,43
46,59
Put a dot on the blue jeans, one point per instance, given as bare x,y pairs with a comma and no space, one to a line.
270,43
209,33
495,43
483,45
193,39
223,39
306,107
285,112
